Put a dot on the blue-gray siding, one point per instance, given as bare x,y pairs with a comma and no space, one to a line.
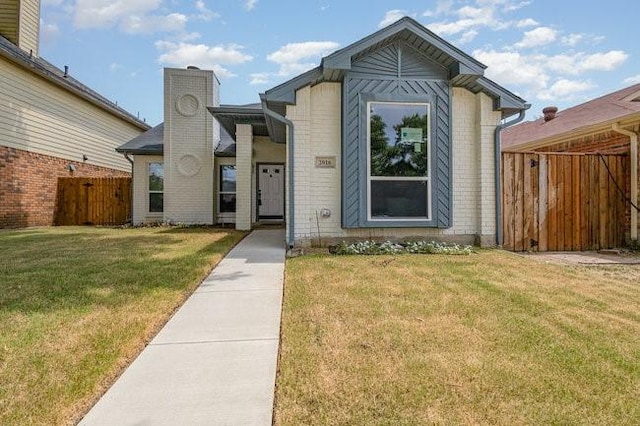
395,72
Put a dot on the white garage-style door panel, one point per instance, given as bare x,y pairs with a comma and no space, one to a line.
271,191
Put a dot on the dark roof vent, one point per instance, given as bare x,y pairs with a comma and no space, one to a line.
192,67
549,113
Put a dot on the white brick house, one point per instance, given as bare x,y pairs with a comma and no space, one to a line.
394,136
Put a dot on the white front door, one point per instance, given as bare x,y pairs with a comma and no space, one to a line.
271,191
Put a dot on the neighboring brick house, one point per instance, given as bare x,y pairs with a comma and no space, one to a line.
393,136
607,125
50,124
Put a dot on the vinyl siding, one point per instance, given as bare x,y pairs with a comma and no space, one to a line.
40,117
9,20
28,32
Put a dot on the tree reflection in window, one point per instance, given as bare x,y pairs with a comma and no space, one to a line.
398,161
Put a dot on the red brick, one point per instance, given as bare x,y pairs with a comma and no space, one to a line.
28,185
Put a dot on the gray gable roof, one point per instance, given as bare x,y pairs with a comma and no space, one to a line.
151,142
58,77
463,70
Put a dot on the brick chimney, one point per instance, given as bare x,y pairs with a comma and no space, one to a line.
549,113
20,24
190,134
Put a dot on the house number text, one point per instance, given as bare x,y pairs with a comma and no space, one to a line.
326,162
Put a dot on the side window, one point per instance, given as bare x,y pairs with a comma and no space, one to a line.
398,149
156,187
227,193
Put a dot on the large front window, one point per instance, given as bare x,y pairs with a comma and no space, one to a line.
227,189
398,157
156,187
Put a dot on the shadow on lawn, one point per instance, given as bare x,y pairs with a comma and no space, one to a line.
52,269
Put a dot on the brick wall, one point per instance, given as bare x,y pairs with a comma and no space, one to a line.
28,185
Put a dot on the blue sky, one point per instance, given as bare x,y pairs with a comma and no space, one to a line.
548,52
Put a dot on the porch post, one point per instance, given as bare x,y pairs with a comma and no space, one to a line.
244,148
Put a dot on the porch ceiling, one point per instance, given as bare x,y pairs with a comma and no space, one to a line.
230,115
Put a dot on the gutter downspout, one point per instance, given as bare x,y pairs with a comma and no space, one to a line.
289,124
633,140
498,169
130,160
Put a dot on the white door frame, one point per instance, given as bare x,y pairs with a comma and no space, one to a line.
258,174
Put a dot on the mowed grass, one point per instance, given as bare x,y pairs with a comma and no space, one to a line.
490,338
78,304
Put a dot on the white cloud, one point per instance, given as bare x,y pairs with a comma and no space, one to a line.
468,36
603,61
174,22
52,2
205,13
484,14
48,31
632,80
259,78
513,69
572,39
578,63
250,4
107,13
528,22
537,37
113,67
392,16
203,56
296,57
565,90
443,7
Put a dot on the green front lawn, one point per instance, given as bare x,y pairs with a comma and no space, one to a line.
490,338
78,304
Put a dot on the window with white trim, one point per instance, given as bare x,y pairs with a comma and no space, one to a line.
227,193
398,161
156,187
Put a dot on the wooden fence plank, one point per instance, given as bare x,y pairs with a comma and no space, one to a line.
575,190
567,215
585,202
94,201
543,203
564,201
518,203
602,202
508,218
552,216
594,215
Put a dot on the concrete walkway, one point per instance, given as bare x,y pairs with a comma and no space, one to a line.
214,363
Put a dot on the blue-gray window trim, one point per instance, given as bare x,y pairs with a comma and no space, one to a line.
365,98
441,186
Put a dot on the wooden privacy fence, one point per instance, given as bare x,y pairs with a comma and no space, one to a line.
93,201
564,201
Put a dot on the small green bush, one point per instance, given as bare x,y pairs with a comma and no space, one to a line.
370,247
